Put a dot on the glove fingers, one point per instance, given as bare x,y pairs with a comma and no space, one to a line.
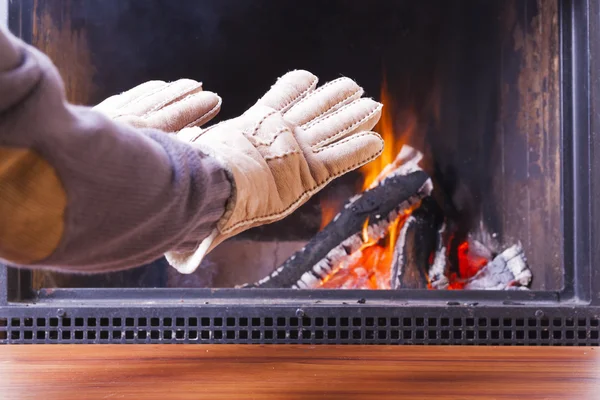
349,153
360,115
289,90
161,97
193,110
325,100
114,103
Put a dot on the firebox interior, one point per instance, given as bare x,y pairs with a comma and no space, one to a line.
472,84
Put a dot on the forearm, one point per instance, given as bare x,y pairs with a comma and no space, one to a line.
80,192
11,56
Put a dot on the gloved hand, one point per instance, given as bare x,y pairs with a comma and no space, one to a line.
169,107
284,149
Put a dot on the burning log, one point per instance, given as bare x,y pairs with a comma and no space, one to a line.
417,247
349,253
380,205
507,271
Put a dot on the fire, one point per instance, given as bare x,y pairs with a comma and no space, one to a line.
369,267
468,265
331,205
329,210
365,231
393,142
392,145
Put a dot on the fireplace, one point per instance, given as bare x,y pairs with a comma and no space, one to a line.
475,226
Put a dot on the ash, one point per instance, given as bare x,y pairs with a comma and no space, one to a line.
507,271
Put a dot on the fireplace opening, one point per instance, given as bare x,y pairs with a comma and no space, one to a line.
467,194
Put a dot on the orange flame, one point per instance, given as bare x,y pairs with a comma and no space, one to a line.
392,142
385,127
367,268
392,145
329,209
365,231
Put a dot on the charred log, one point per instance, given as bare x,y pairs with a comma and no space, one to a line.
380,206
416,247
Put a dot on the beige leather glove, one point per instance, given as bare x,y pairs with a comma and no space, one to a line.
169,107
288,146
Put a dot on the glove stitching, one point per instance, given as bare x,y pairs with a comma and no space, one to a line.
345,140
259,123
174,103
270,142
346,130
171,98
324,115
282,110
324,118
139,98
209,114
306,194
282,155
293,101
188,97
321,89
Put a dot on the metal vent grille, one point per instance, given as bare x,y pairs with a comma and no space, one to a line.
443,330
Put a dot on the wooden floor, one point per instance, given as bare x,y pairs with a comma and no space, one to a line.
297,372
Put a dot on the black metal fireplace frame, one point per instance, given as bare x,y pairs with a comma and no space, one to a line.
569,317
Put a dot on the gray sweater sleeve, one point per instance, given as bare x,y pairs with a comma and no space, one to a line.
130,195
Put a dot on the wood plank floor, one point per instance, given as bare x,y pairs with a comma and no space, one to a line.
297,372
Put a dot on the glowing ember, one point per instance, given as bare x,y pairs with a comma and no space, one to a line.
469,264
